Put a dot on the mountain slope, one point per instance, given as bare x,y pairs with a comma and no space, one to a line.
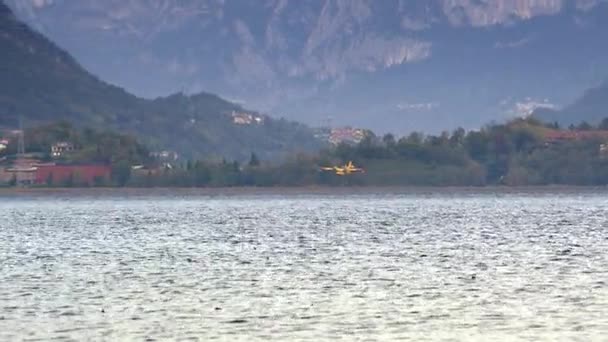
388,65
43,83
37,76
592,107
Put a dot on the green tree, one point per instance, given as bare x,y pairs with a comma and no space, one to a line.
99,181
457,137
415,138
49,179
202,174
524,140
477,144
389,140
253,160
121,173
69,181
584,126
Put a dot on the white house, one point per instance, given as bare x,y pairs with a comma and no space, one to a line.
3,144
60,148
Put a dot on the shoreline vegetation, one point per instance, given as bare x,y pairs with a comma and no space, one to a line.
521,152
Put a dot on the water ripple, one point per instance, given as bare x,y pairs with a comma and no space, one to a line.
416,268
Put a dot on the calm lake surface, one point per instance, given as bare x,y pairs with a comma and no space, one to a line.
421,266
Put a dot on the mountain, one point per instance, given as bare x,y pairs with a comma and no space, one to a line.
592,107
394,65
41,82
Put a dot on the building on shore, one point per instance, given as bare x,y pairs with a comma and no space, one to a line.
19,175
558,136
26,169
57,175
243,118
165,155
22,171
61,148
346,135
87,175
4,144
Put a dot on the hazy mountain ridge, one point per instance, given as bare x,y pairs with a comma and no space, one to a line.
335,35
591,107
310,59
41,83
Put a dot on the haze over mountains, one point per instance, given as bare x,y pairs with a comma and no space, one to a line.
40,83
388,65
591,107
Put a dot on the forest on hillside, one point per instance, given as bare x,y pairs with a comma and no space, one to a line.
517,153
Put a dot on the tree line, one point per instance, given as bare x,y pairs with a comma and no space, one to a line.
515,153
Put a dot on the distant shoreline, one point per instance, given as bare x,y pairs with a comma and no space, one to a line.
304,190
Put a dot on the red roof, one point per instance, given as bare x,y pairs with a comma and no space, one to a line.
556,135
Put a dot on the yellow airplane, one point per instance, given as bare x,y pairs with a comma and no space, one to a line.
347,169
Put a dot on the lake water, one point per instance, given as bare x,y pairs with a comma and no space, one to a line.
423,266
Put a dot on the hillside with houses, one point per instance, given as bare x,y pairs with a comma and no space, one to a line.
62,126
41,83
517,153
60,154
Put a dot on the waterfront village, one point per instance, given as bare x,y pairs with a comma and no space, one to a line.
19,167
66,162
25,168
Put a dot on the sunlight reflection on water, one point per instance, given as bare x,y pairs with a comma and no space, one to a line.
318,267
